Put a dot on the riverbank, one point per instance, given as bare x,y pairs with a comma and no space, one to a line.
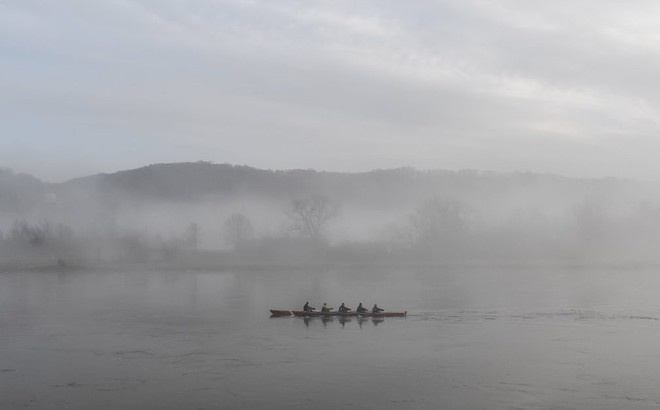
214,262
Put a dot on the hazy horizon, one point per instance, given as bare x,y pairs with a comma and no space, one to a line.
45,179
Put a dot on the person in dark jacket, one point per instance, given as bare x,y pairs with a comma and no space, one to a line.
361,309
308,308
343,308
376,309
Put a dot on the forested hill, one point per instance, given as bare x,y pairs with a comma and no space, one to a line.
19,192
186,182
189,182
171,208
392,188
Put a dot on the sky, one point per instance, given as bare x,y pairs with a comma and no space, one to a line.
562,87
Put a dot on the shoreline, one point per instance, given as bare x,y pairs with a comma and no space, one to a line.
277,266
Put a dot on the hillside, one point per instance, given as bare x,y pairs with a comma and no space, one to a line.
20,193
424,214
378,190
190,182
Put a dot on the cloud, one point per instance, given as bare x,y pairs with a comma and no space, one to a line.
499,85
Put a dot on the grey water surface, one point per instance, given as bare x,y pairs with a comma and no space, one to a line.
475,338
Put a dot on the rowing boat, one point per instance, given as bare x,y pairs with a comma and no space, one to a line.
300,313
279,313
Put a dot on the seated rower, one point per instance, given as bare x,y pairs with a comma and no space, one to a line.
326,308
361,309
308,308
376,309
343,308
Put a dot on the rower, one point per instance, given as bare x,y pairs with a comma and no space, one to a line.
376,309
326,308
308,308
361,309
343,308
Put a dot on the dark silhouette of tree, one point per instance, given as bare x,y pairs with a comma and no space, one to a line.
22,232
192,237
238,230
439,222
309,216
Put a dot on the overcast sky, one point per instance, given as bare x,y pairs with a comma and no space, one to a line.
566,87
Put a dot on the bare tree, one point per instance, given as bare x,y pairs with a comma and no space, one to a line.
238,230
192,237
23,232
309,216
438,221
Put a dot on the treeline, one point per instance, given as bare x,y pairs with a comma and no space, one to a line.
163,213
446,230
437,230
401,188
29,244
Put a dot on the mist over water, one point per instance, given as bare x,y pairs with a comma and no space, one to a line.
209,215
151,288
539,337
171,170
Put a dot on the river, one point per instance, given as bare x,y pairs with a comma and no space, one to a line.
475,338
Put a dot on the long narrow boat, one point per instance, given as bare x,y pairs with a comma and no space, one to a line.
300,313
279,313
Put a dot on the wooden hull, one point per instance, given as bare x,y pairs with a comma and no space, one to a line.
300,313
280,313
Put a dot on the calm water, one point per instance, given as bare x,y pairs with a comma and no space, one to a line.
475,338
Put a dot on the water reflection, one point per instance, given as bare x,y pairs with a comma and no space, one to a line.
325,320
344,320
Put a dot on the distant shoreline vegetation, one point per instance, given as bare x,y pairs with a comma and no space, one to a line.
207,215
219,263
